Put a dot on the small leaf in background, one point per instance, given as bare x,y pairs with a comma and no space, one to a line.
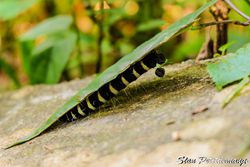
39,65
26,49
232,68
59,57
235,91
9,9
49,58
225,47
45,62
48,43
48,26
9,71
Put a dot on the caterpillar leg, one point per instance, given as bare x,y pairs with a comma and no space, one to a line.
161,59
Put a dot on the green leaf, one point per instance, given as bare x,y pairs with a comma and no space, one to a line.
50,58
152,24
235,91
9,9
225,47
48,27
45,45
115,69
37,60
59,57
45,62
7,68
231,68
39,65
26,49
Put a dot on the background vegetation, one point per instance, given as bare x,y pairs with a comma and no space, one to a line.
50,41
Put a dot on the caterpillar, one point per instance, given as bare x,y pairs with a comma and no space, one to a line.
112,88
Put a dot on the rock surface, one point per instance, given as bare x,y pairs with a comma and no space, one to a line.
151,123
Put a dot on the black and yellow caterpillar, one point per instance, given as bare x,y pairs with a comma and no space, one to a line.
110,89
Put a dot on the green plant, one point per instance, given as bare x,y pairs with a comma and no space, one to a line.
44,63
16,6
8,69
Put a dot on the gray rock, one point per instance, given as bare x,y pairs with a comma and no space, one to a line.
134,129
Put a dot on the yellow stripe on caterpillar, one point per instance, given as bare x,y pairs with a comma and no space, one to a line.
135,73
100,98
89,104
79,110
124,81
144,66
112,89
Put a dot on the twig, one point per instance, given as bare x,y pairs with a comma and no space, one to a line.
237,10
203,25
100,38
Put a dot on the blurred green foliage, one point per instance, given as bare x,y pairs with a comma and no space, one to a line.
44,62
8,69
9,9
48,41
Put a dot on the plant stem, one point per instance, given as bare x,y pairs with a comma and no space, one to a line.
100,38
220,13
203,25
79,46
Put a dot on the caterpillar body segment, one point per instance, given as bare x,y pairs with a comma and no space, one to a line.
90,105
110,89
99,96
95,100
135,73
79,110
119,83
124,81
